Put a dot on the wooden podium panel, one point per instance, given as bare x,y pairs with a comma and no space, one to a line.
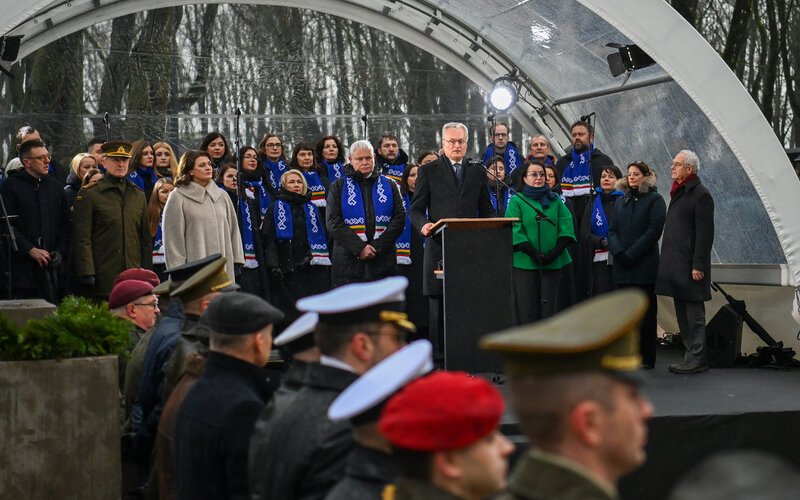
478,295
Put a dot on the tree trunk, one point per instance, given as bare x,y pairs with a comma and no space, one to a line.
116,72
737,34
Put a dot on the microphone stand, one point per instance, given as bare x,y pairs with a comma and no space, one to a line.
107,123
239,186
12,238
365,118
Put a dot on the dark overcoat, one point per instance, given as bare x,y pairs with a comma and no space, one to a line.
438,196
347,267
367,474
686,245
306,451
111,232
635,230
213,429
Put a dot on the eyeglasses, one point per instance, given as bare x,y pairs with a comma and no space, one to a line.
501,134
272,145
456,142
154,305
43,158
536,175
250,157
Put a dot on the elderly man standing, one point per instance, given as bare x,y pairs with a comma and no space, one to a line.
111,229
365,217
684,272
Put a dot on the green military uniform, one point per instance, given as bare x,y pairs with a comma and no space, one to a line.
133,372
410,489
543,476
111,232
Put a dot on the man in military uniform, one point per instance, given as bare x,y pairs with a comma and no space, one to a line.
370,467
111,229
133,300
304,453
445,434
215,421
572,388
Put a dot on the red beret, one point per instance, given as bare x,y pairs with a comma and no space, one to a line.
127,291
443,411
137,273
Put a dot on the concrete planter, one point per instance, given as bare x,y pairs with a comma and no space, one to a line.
60,429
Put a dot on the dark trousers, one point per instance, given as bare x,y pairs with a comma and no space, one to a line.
534,300
436,324
648,334
691,318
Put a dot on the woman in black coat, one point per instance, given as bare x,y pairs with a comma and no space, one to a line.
417,305
633,241
295,271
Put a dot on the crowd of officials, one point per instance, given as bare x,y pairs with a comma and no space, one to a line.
314,245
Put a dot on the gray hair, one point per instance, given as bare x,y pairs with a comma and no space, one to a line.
361,145
455,125
691,159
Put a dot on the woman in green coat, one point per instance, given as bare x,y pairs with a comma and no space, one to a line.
539,246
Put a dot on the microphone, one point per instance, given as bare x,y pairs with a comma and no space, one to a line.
238,113
490,118
105,117
585,118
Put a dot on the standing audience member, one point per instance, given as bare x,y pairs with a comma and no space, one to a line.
81,163
581,168
95,148
296,245
426,157
330,155
255,180
111,230
633,242
365,218
540,246
215,421
390,159
199,218
571,388
539,149
305,454
142,170
446,187
502,146
499,194
133,300
684,272
444,429
317,180
273,158
155,211
216,146
41,226
54,169
166,163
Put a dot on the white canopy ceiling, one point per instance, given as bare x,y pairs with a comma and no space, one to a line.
560,48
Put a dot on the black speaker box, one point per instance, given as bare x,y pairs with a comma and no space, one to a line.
724,337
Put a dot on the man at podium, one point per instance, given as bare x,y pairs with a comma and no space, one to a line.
448,187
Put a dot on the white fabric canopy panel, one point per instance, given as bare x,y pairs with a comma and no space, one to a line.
560,48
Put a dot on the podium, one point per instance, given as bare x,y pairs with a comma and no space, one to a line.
478,294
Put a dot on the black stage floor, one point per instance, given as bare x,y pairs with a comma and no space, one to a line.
698,415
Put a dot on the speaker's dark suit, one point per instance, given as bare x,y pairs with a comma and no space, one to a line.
438,196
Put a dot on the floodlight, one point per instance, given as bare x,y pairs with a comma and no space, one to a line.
628,58
503,95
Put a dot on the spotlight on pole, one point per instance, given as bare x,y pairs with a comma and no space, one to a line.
504,93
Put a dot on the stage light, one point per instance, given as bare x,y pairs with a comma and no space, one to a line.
503,95
628,58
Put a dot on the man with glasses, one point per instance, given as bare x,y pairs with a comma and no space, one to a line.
111,229
303,453
447,187
41,225
133,300
502,146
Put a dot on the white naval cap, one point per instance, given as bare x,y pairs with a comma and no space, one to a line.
362,400
382,300
300,328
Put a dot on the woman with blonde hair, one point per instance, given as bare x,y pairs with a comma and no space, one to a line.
80,164
199,218
155,209
166,161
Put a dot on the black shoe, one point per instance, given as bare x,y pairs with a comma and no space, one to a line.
688,368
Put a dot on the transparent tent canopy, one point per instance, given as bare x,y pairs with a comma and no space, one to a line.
560,48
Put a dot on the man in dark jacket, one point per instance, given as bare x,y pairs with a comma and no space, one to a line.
365,217
390,159
41,226
581,167
304,453
446,187
215,421
684,272
111,229
56,171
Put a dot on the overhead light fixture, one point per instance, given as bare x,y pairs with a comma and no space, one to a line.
627,59
505,92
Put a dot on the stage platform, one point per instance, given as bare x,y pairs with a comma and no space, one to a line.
698,415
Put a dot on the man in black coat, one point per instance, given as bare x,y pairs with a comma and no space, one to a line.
214,424
684,272
42,226
364,242
302,453
446,187
576,182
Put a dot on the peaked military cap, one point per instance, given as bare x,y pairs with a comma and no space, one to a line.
297,336
382,300
601,334
209,279
177,275
120,149
364,399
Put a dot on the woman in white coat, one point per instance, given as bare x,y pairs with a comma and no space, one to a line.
199,218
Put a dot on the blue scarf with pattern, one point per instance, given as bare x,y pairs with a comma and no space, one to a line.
315,230
264,199
354,213
403,243
335,170
510,157
248,242
138,174
576,179
275,170
158,243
